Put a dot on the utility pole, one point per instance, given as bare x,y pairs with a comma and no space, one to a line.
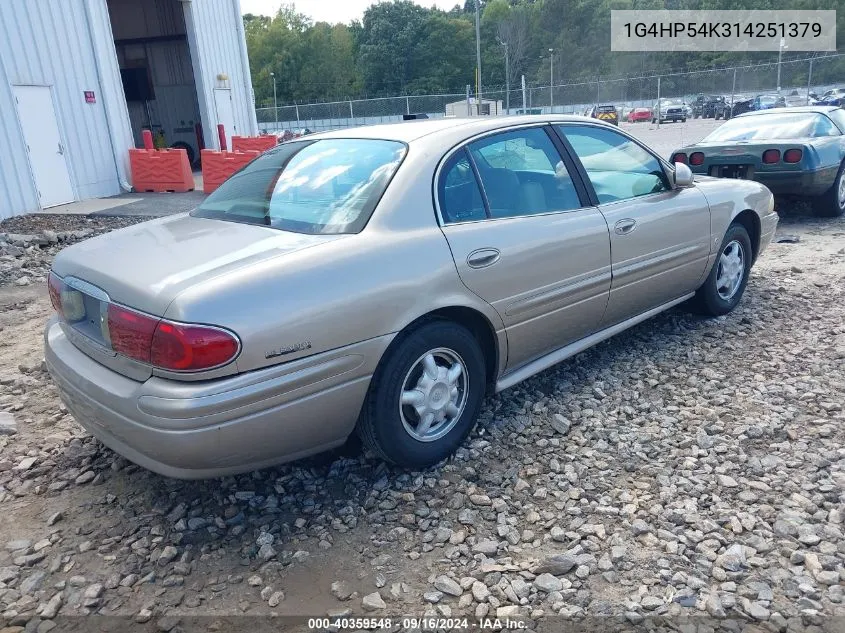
275,104
780,54
477,59
551,79
507,80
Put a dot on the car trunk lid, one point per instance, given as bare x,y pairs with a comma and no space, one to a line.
146,266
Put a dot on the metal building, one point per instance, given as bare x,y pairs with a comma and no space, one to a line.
80,79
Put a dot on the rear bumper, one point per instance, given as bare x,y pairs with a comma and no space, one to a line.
799,183
217,427
812,183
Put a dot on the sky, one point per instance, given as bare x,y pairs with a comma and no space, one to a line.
330,10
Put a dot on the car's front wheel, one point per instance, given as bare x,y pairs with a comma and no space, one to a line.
831,204
721,291
425,396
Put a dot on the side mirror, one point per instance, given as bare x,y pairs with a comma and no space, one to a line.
683,175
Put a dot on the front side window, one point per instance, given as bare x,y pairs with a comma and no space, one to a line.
522,174
316,187
617,167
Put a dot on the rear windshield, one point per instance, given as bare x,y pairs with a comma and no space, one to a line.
607,108
316,187
781,125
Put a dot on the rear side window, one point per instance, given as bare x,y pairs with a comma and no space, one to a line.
522,174
316,187
460,197
838,117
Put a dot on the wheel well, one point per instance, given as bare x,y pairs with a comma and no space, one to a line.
751,222
481,329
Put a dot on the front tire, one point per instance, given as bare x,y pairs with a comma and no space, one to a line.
425,396
831,204
722,290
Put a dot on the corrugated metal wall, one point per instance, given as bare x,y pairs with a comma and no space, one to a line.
68,45
47,42
218,47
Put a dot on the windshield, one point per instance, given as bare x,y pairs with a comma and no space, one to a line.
787,125
324,186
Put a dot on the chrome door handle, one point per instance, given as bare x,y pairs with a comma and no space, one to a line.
623,227
483,257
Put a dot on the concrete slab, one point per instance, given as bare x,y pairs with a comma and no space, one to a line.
154,205
92,205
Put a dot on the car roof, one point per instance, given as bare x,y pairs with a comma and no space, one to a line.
808,109
408,131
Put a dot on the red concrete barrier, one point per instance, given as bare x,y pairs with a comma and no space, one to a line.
258,143
218,166
161,170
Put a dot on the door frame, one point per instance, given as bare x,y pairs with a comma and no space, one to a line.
582,173
62,138
217,121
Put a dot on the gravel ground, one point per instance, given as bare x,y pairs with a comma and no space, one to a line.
688,468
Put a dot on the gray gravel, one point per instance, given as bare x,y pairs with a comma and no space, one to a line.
688,467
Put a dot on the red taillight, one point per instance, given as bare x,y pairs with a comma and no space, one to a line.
680,157
54,286
792,156
131,333
771,156
696,158
184,347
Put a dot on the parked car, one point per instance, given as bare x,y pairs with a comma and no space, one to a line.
793,151
606,113
835,97
383,279
758,103
639,114
669,110
709,107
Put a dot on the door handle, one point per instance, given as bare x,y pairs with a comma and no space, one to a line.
61,150
623,227
483,257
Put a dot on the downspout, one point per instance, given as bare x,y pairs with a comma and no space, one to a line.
247,77
98,62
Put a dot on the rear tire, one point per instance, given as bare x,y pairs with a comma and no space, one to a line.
401,417
831,204
722,290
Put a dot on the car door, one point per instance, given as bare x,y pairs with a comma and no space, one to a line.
525,238
659,235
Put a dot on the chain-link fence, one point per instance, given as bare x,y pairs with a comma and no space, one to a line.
796,78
